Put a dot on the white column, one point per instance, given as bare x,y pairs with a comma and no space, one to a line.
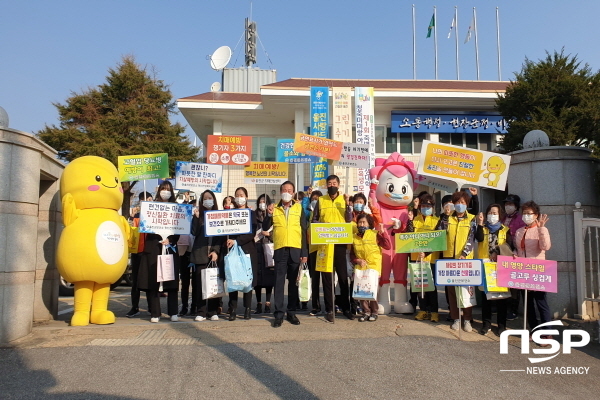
299,127
217,127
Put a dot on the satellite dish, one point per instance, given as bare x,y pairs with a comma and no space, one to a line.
215,87
220,58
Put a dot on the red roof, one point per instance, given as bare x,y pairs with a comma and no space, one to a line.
386,84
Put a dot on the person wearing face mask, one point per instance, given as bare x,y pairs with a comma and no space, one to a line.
334,207
366,253
460,229
513,219
532,241
153,247
315,276
205,251
266,273
425,221
289,227
246,242
491,234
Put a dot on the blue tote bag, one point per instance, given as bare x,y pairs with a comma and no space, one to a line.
238,270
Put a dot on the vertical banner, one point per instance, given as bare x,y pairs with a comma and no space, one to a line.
319,126
365,130
342,115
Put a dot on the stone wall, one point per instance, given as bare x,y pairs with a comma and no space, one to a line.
556,178
30,224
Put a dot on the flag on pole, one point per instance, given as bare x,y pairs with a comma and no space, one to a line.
452,26
431,25
470,30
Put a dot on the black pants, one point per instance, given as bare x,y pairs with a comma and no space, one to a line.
339,266
233,300
513,302
258,292
537,298
187,276
486,311
135,292
315,280
287,262
154,302
429,301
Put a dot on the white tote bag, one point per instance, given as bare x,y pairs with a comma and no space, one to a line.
465,296
165,267
366,283
304,283
212,285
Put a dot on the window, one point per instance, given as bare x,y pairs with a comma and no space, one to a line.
456,139
379,139
444,138
485,141
391,141
471,141
406,143
264,149
418,142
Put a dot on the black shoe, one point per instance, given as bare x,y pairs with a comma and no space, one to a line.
258,308
329,317
247,313
511,316
292,319
315,311
183,311
500,330
485,330
193,311
232,316
134,312
363,318
267,308
349,315
277,323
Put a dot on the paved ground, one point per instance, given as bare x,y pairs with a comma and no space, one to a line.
392,358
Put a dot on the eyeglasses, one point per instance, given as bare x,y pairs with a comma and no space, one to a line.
528,213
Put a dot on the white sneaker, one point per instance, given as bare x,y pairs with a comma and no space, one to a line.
199,318
214,318
467,326
174,318
455,325
154,320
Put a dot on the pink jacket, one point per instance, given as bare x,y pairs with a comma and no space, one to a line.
537,241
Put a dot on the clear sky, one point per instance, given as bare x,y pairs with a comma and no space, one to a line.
51,48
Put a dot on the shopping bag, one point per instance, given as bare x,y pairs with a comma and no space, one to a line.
489,278
269,250
366,283
325,258
165,268
212,284
421,277
238,270
134,240
304,283
465,296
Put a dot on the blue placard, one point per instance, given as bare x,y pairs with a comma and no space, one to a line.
319,111
286,153
438,122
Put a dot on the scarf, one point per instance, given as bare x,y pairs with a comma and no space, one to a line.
495,227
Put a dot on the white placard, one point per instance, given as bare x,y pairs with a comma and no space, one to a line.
165,219
198,177
354,155
459,272
228,222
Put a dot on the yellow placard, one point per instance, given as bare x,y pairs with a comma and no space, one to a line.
330,233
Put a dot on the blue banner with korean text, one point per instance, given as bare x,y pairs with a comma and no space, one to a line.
319,126
437,122
286,153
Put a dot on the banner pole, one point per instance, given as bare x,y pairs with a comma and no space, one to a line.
459,314
144,189
422,280
332,285
347,180
525,312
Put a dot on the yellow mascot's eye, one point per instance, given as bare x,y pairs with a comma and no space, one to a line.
116,180
98,178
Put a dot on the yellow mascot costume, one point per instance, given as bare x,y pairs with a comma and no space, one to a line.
93,247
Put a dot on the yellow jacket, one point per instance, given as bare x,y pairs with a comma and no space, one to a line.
332,210
287,232
422,224
484,248
366,248
458,235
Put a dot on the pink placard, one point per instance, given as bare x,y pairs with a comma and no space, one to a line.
527,273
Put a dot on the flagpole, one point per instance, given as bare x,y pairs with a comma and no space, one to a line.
456,40
498,44
476,42
435,41
414,44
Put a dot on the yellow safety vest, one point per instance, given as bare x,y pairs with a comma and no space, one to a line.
287,232
332,211
422,224
457,235
483,251
366,248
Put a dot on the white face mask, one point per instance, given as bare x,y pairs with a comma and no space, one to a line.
208,204
286,197
179,200
493,218
240,201
262,206
510,209
528,219
165,194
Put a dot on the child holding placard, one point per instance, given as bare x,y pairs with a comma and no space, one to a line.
366,253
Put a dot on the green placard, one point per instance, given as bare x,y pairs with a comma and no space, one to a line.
421,278
416,242
143,166
330,233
